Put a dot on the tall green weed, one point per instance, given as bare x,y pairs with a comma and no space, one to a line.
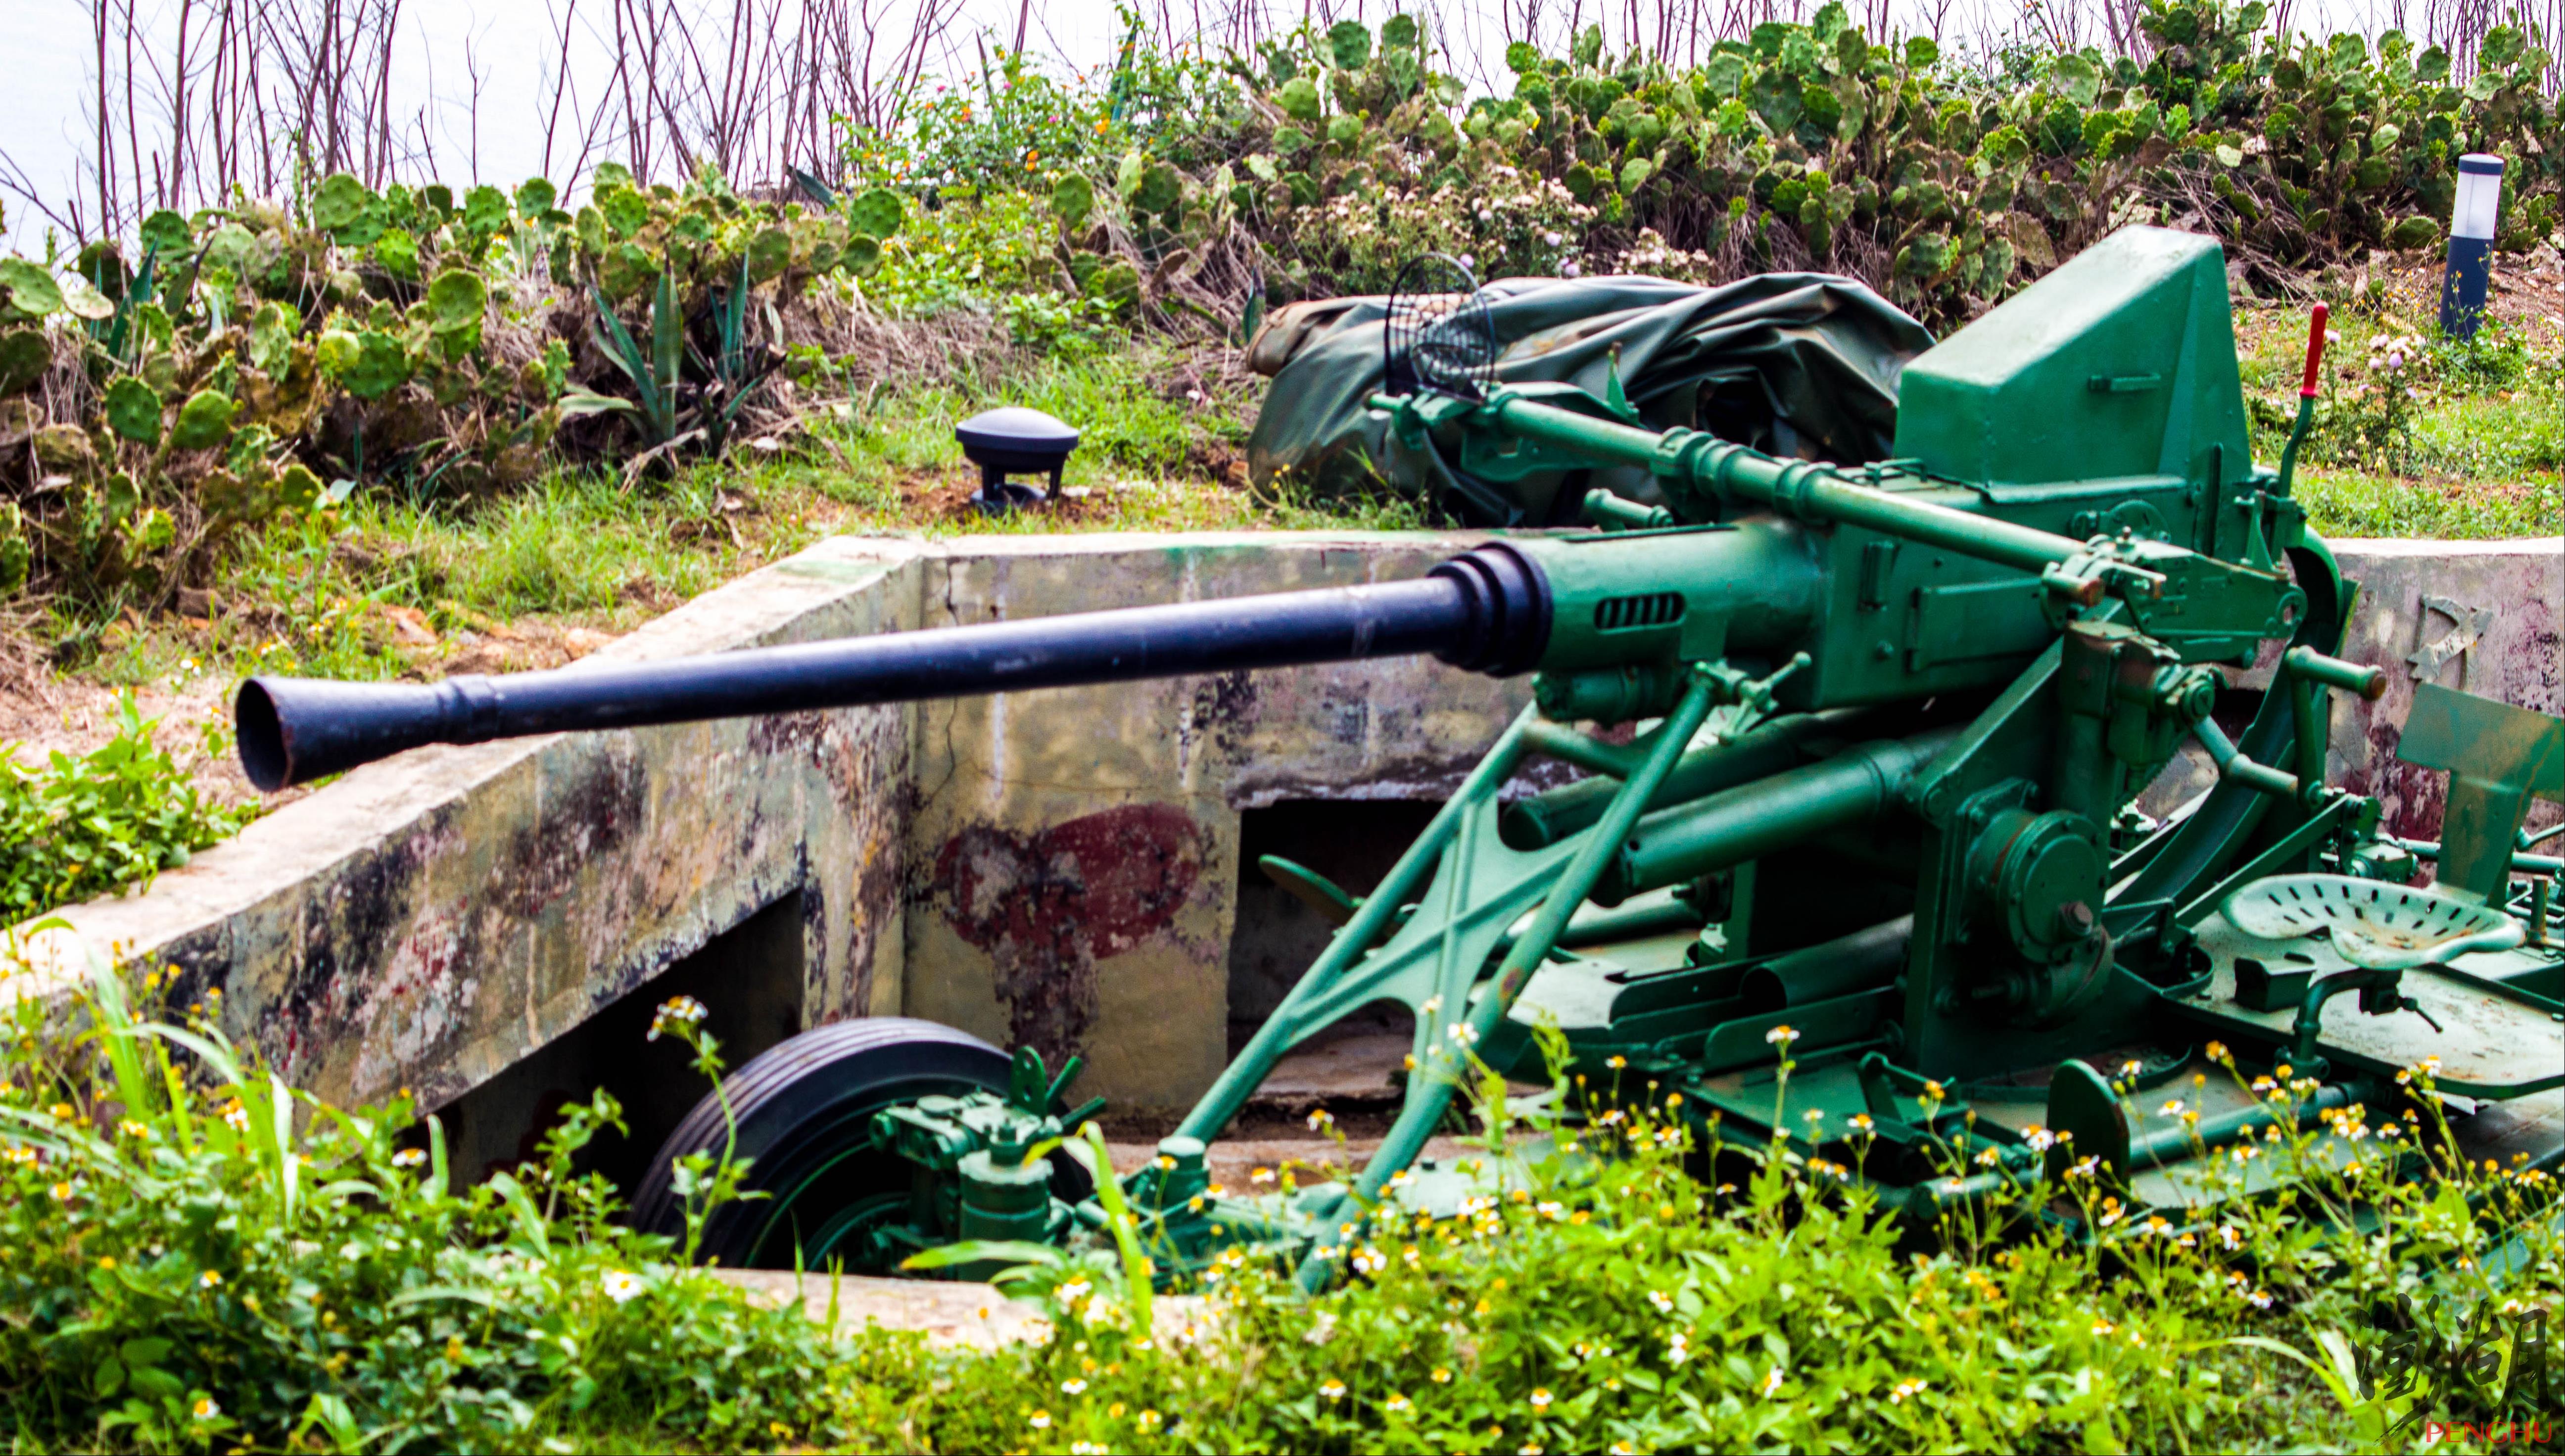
195,1255
1614,1289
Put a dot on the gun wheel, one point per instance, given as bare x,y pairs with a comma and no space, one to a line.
803,1112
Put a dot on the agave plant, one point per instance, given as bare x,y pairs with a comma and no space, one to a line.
672,409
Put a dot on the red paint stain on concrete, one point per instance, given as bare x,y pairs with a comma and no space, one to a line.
1047,908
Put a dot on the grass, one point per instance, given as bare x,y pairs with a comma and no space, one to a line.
2513,431
326,593
196,1256
2354,503
310,596
2480,454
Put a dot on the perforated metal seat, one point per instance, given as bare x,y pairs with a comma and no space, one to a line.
2387,927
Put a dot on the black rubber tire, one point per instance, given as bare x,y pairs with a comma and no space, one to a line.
804,1110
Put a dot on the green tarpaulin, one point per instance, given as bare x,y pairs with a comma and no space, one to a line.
1800,364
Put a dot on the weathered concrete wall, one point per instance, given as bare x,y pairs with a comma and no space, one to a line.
425,923
1074,855
2482,616
1056,867
2507,641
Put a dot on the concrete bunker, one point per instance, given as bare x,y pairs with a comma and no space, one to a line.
490,926
1068,868
1275,937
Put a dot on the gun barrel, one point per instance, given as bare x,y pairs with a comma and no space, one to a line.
1487,609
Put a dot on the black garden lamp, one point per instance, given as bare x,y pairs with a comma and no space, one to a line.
1014,441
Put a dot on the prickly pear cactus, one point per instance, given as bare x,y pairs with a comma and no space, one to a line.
133,410
2301,149
876,214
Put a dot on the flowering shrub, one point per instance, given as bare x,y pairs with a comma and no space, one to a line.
1017,126
2378,402
1507,225
193,1255
1597,1296
1651,254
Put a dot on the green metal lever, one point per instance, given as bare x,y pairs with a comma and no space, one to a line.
2310,672
2381,994
1613,512
1311,888
2233,764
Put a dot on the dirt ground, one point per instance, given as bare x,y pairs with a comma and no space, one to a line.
42,711
2529,289
2526,291
942,497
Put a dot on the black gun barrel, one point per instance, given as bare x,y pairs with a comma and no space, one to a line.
1487,610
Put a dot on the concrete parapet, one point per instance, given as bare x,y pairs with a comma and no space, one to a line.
2482,616
424,922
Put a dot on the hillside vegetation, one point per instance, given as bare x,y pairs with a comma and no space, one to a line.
277,357
431,428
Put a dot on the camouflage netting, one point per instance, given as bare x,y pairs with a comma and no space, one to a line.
1800,364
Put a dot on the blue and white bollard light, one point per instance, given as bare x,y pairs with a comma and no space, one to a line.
2463,287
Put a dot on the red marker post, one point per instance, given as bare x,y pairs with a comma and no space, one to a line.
2315,353
2306,397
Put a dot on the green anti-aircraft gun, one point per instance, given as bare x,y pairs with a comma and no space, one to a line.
1893,723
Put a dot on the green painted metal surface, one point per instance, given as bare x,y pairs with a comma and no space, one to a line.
1896,720
2498,757
2121,365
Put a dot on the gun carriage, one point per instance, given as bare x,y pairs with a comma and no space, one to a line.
1893,721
